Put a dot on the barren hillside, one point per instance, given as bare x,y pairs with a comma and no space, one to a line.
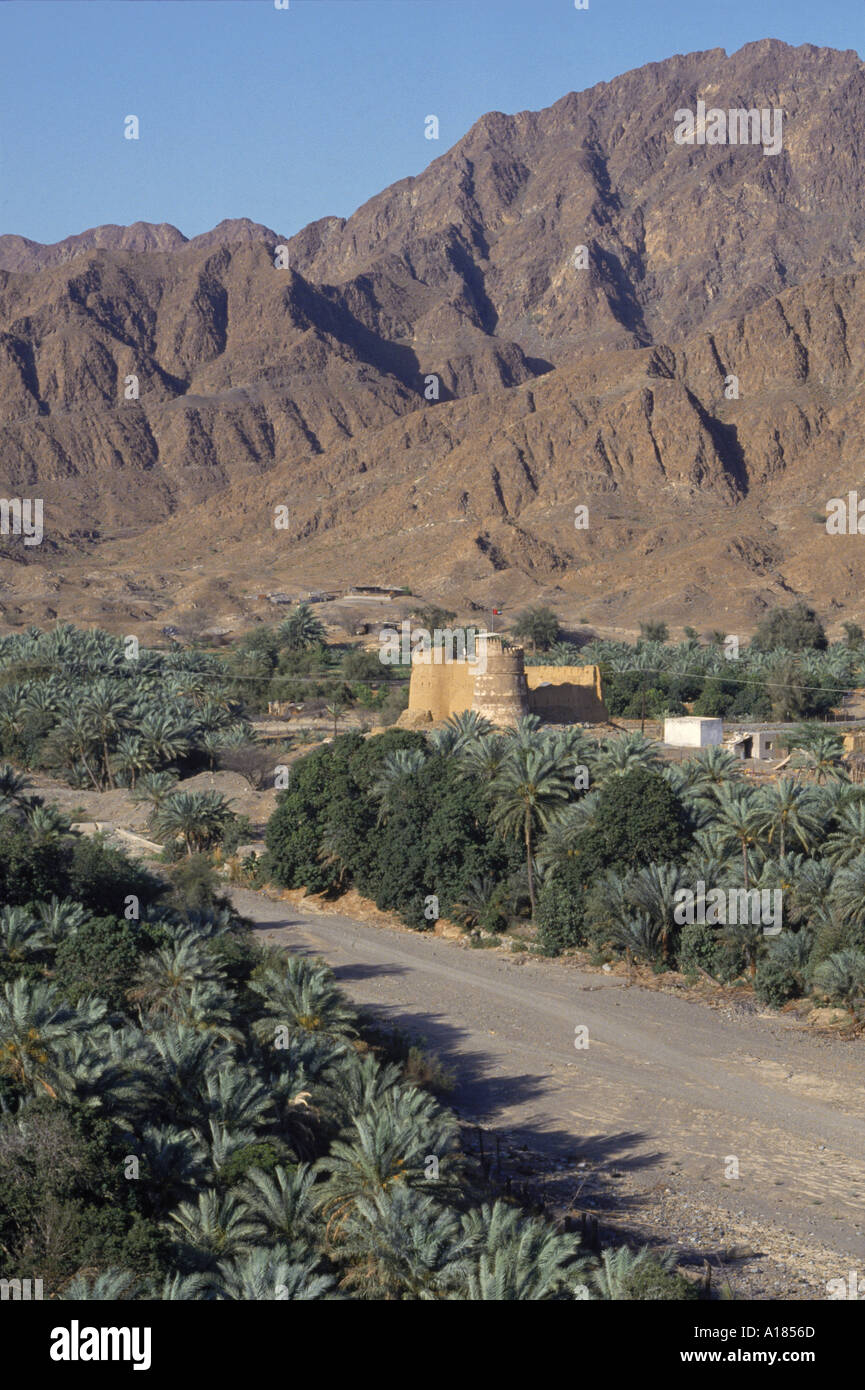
607,386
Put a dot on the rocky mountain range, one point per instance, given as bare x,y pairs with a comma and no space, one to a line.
569,308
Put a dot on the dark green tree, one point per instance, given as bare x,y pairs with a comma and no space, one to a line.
796,628
100,957
639,819
538,626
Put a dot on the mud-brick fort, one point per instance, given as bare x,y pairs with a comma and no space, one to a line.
503,689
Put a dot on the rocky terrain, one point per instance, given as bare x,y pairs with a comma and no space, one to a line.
309,387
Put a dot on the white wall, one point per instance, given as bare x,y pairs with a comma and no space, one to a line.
692,732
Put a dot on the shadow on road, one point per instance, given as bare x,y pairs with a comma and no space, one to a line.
580,1179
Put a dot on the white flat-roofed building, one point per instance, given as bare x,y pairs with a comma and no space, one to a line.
692,731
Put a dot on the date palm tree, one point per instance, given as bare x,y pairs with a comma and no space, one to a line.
198,818
846,843
200,1287
214,1226
107,710
619,1267
638,936
165,739
35,1025
334,709
526,733
817,749
538,626
236,1097
810,889
173,1163
22,934
784,810
401,1244
622,754
469,728
847,895
654,891
60,918
714,767
46,825
281,1203
300,629
301,995
747,939
181,1055
515,1258
130,758
385,1147
263,1275
527,793
739,821
155,788
110,1286
74,740
841,977
557,847
87,1075
13,789
166,978
359,1084
476,900
397,768
484,759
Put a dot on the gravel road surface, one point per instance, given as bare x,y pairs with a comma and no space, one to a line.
653,1118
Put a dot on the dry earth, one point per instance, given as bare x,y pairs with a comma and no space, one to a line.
638,1127
607,386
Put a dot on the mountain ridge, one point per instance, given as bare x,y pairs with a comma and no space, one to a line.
436,367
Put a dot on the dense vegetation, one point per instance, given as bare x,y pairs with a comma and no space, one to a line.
185,1114
101,713
788,671
599,837
293,662
359,812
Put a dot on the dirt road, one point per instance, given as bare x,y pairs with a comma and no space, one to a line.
653,1119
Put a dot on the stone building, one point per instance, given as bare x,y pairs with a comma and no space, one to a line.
502,688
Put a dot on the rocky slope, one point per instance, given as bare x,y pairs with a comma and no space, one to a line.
607,386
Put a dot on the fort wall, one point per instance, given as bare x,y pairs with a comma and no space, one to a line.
566,694
502,688
442,690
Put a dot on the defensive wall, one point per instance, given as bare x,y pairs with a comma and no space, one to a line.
501,687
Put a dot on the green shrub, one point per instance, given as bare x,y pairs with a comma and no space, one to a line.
639,819
842,977
560,913
101,958
782,972
653,1283
699,947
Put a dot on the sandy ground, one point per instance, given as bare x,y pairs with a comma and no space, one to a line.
118,808
640,1127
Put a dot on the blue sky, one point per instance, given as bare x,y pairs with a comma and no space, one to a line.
287,115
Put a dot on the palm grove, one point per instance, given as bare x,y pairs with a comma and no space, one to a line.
187,1114
591,840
